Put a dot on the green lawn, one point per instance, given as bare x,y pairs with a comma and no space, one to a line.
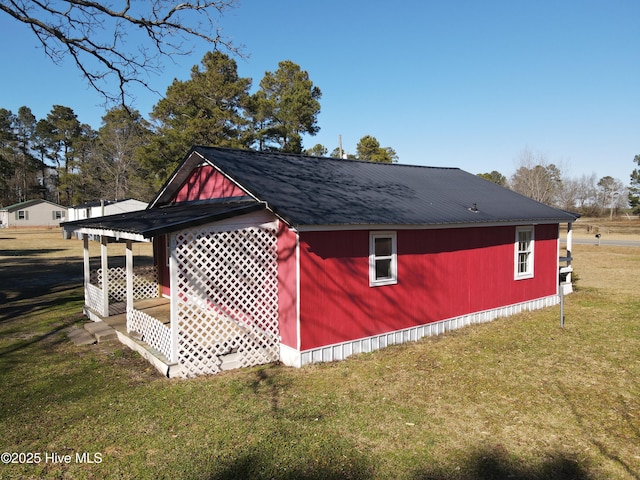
516,398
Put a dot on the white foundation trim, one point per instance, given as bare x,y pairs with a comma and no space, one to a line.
339,351
289,356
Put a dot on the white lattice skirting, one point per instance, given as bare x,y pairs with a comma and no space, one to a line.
226,298
340,351
154,333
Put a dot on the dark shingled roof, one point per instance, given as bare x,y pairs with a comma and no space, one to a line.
317,191
157,221
309,191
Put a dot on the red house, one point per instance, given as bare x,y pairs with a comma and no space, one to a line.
263,257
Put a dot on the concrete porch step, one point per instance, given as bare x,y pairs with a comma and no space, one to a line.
79,337
101,331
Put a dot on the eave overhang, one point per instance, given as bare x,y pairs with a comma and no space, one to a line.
143,225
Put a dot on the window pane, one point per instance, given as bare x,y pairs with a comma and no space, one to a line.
383,247
383,269
523,263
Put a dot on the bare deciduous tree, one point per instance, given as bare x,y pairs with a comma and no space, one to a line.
611,194
536,177
126,41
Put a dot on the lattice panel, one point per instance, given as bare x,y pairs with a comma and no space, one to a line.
145,282
227,299
154,333
93,298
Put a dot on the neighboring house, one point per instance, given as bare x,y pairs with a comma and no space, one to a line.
101,208
33,213
267,256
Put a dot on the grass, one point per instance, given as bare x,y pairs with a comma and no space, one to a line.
620,225
516,398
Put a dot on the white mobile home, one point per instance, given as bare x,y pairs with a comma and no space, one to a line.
33,213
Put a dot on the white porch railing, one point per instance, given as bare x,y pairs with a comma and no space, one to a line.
154,333
93,299
145,282
145,285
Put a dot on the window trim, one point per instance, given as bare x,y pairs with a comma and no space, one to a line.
529,273
373,281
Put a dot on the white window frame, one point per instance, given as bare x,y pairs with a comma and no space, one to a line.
393,279
530,251
22,215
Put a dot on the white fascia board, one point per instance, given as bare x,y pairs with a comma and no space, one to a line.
136,237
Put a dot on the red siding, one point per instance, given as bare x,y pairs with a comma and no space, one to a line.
287,295
206,183
441,274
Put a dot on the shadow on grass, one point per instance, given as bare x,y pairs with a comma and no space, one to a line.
29,278
28,252
497,464
268,380
602,448
49,336
260,463
343,462
17,307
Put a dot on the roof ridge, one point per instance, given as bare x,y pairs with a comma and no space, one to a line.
313,157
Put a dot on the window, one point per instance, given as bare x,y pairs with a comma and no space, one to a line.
383,261
58,215
524,253
21,215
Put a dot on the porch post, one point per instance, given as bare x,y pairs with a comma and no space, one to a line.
104,263
569,248
173,297
87,268
129,261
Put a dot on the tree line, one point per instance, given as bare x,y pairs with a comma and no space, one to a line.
60,159
537,178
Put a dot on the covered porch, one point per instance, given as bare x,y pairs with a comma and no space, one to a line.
220,264
127,298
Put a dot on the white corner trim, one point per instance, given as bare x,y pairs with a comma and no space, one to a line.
290,356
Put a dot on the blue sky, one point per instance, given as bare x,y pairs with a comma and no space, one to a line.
467,84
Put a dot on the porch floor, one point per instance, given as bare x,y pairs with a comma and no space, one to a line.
158,308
